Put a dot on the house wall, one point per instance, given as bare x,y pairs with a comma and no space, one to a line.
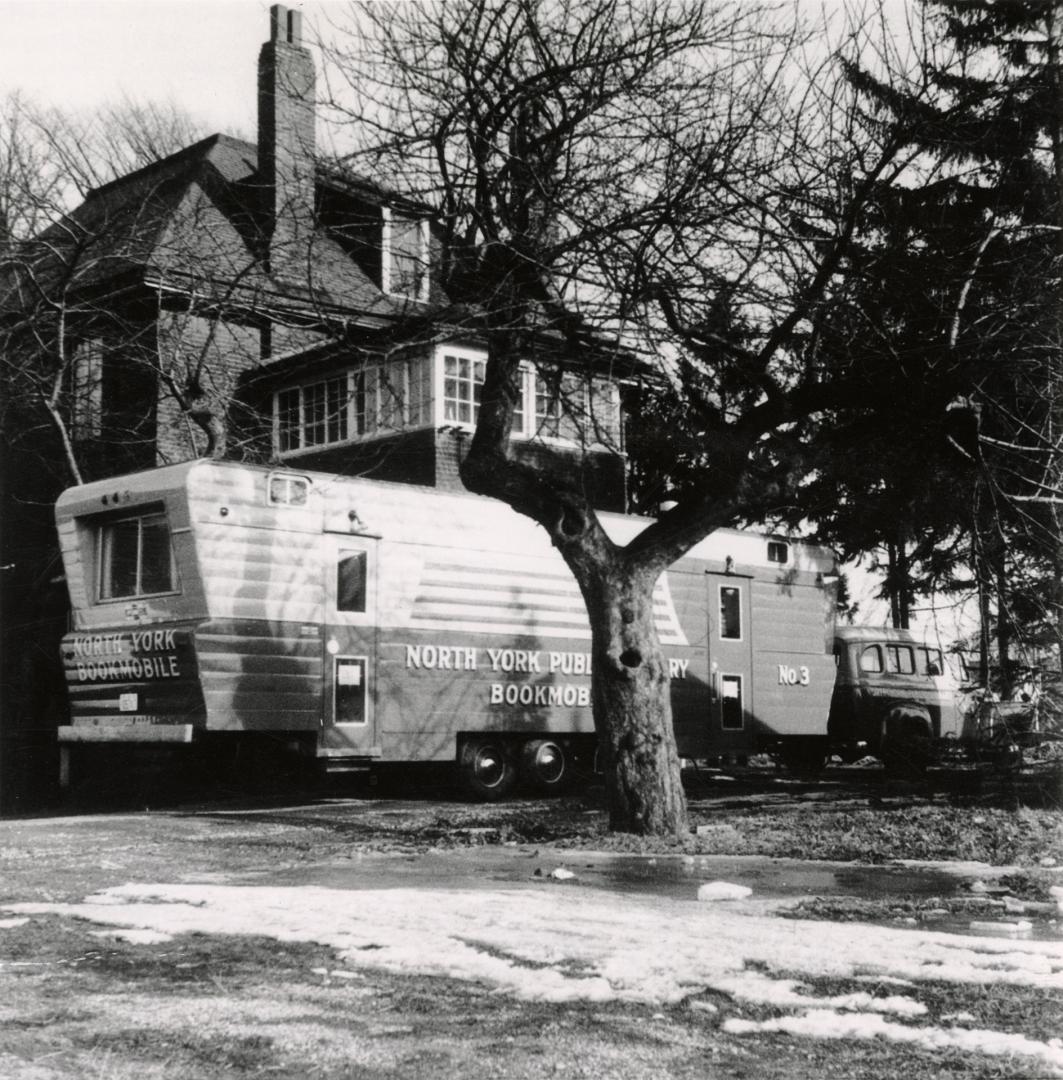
220,352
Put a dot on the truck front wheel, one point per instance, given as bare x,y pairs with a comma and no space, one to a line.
906,737
487,770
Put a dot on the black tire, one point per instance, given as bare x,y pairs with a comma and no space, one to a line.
544,765
905,749
486,768
804,758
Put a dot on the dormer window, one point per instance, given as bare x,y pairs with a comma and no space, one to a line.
405,255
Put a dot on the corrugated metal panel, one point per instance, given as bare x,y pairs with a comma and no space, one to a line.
260,676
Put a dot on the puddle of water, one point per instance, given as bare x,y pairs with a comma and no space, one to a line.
669,877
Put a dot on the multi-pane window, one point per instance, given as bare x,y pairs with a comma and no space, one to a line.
899,660
135,557
366,401
443,388
463,380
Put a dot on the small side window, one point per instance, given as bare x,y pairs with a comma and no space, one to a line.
778,552
351,574
732,717
871,660
899,660
730,613
286,490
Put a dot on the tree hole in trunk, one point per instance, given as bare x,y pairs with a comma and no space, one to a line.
631,658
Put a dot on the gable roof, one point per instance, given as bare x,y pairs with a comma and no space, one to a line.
192,223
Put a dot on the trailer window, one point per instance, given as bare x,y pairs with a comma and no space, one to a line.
778,552
287,490
730,612
351,571
350,686
899,660
731,716
871,660
135,558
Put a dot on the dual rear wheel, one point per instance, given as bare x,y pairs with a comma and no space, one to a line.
491,765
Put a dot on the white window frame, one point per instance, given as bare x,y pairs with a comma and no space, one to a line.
423,283
378,420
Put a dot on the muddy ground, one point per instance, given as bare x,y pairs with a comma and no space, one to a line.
80,1000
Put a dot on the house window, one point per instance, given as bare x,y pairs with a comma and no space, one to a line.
314,415
365,401
405,251
135,557
463,379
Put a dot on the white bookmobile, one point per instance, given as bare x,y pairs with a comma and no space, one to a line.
360,622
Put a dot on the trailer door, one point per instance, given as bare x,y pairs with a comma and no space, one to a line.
349,715
730,665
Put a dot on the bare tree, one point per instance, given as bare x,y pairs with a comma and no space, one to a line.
683,179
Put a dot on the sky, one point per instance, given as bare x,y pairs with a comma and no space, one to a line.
85,53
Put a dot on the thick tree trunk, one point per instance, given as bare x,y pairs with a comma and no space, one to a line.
632,709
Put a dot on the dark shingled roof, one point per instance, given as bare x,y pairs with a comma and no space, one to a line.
190,221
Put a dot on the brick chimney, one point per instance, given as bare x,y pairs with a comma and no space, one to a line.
286,144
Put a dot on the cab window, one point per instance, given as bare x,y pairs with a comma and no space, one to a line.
931,662
871,659
135,557
899,660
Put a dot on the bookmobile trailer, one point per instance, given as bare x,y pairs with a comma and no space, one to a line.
362,622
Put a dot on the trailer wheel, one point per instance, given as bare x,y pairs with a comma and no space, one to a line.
543,764
487,769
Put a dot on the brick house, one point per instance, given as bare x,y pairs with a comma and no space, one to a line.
250,302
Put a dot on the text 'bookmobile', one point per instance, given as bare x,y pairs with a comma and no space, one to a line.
364,622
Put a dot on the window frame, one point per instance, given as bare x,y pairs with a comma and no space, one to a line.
104,558
737,591
387,271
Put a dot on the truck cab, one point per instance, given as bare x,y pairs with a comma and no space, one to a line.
895,695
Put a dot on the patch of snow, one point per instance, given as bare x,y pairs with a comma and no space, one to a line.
582,945
827,1024
561,874
723,890
11,924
